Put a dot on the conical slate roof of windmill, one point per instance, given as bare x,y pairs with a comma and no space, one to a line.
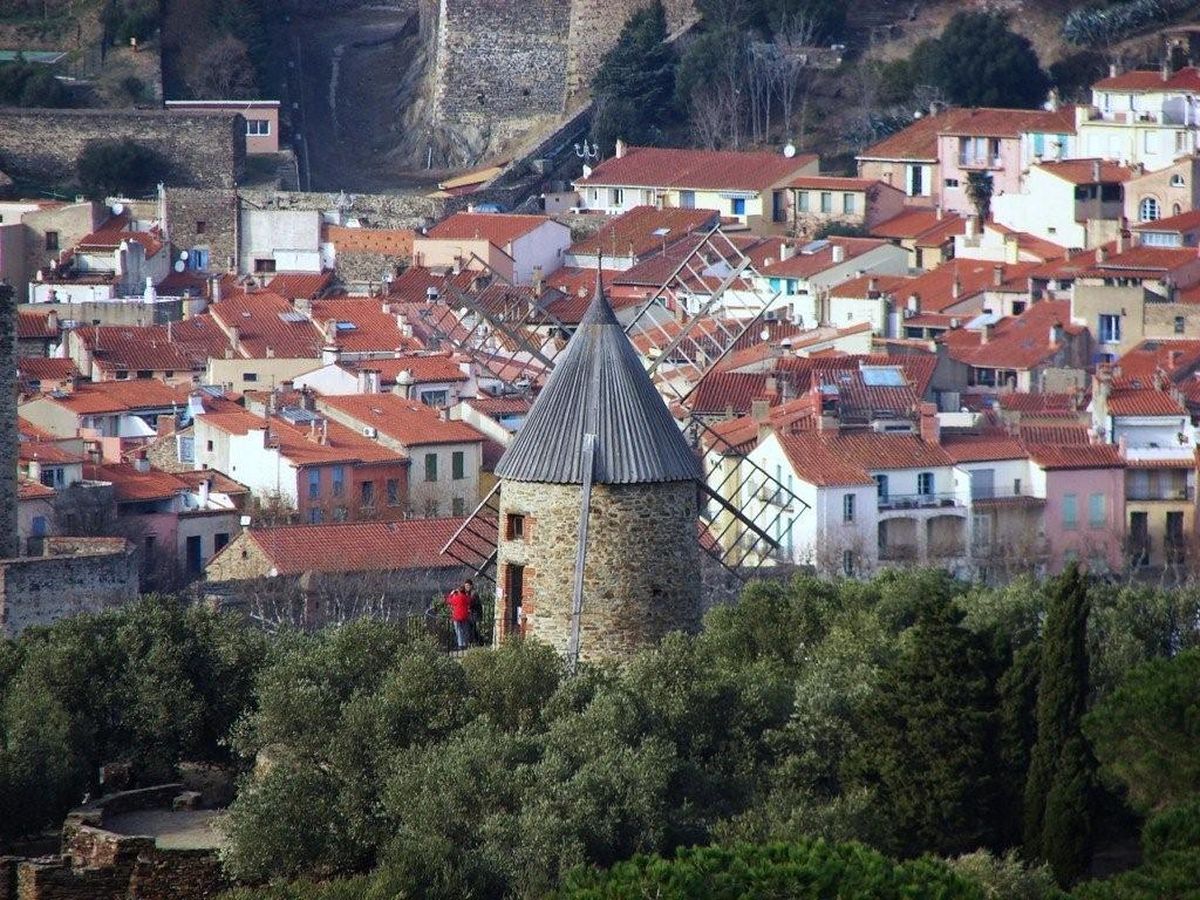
599,386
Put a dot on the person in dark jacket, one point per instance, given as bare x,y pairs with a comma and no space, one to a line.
476,607
459,602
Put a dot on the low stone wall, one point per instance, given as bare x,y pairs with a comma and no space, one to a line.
412,209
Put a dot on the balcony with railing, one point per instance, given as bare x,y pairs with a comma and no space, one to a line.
1004,495
1165,493
919,502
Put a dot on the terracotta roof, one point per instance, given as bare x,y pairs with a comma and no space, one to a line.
1016,342
833,183
1186,79
1030,243
297,285
219,482
637,232
982,448
132,486
266,320
496,228
833,458
500,406
33,490
1078,433
1174,358
425,368
357,546
935,288
803,371
922,225
112,233
35,325
1141,258
1143,402
181,346
1084,171
410,423
1012,122
91,398
1180,224
1039,404
42,368
413,283
698,169
857,288
918,141
805,265
383,241
578,282
359,325
724,393
45,450
1076,456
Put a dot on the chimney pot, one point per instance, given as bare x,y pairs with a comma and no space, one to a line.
997,275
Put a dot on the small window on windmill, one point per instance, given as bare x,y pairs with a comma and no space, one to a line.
514,527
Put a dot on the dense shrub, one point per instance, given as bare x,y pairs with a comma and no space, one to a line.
119,168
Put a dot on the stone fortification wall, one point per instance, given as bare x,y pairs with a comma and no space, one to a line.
412,209
641,576
595,27
499,65
203,149
77,575
9,542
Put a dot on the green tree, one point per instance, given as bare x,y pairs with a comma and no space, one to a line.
809,869
979,192
635,82
979,61
928,739
31,85
1060,783
1170,861
120,167
1146,733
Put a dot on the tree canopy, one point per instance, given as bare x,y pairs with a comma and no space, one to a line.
119,167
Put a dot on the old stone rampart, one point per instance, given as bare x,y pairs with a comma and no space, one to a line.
202,149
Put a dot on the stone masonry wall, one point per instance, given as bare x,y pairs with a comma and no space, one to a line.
412,209
39,590
595,27
641,575
203,149
216,208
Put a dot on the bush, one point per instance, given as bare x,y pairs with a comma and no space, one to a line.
812,869
31,85
119,168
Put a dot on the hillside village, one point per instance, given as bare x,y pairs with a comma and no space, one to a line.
613,386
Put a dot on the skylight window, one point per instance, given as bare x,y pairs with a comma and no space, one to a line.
883,376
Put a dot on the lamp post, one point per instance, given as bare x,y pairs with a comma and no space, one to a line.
588,152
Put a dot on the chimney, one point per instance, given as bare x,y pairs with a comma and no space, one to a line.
621,147
456,268
1101,387
368,381
972,227
141,464
214,289
1112,70
1096,171
985,333
52,320
997,275
235,336
538,281
1053,102
872,285
839,253
330,354
771,385
1101,254
270,352
1120,240
205,488
786,251
1056,334
164,425
956,287
1012,249
940,212
931,429
1165,69
914,303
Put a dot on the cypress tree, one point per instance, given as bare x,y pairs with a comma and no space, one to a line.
1060,784
928,745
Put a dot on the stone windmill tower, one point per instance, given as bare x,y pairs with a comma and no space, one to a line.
597,551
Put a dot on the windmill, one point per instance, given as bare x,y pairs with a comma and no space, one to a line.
630,424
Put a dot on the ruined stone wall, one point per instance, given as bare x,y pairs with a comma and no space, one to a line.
88,575
202,149
641,575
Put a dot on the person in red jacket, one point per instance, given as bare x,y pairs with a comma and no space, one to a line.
459,601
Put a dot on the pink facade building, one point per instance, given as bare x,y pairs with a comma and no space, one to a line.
1084,489
262,119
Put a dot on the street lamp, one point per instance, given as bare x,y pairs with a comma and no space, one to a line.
587,151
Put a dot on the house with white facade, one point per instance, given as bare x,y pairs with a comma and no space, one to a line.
1074,203
520,248
1142,117
751,187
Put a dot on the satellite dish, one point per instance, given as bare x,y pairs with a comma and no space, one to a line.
789,150
118,208
179,266
183,254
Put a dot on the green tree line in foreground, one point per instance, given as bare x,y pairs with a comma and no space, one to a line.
899,737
